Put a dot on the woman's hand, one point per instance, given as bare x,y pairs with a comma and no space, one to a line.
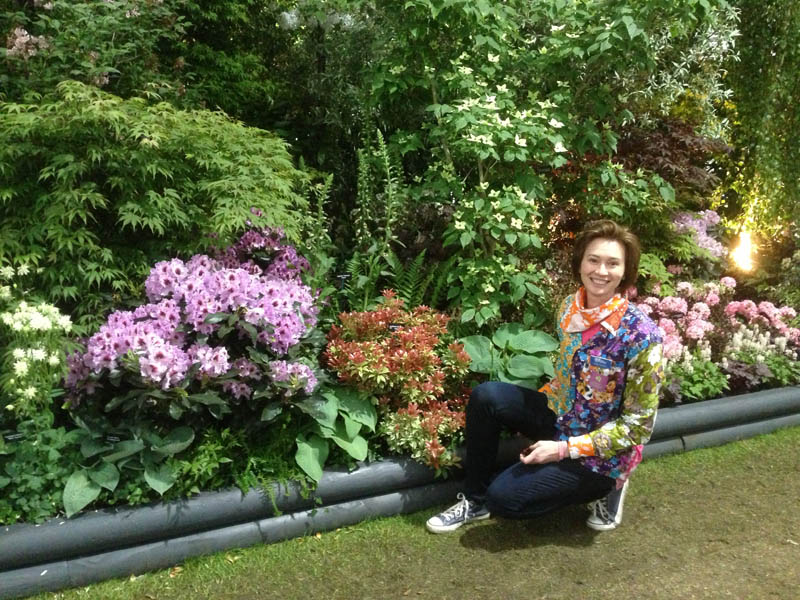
543,451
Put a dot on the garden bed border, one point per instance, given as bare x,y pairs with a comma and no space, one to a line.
103,544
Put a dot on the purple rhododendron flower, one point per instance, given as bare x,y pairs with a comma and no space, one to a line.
161,336
297,375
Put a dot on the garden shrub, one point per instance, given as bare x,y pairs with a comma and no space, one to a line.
226,342
96,189
402,358
714,344
120,46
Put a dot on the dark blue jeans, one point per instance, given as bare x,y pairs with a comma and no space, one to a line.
521,491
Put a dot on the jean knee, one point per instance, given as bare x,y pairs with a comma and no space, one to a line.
483,396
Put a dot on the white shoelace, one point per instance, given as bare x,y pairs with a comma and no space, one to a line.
600,508
461,508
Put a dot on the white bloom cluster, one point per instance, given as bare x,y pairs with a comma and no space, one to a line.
750,338
39,317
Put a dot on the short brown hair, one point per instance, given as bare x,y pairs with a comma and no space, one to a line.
609,230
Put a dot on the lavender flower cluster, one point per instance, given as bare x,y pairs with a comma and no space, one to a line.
166,340
698,224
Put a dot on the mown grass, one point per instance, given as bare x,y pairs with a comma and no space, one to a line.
715,523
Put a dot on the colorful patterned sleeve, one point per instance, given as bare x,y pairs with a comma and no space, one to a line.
639,405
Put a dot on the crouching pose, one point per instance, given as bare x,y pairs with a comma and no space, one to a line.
590,420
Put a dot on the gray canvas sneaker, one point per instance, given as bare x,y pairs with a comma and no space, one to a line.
607,512
464,511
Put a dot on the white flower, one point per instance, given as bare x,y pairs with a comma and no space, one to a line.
7,272
18,353
520,141
40,322
555,124
23,269
460,225
54,360
397,69
499,217
488,288
496,205
502,88
559,147
557,27
516,223
38,354
493,58
20,367
465,70
29,392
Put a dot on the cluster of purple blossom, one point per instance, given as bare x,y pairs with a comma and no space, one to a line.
698,225
297,375
160,339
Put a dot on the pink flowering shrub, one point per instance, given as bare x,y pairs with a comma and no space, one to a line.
215,334
713,343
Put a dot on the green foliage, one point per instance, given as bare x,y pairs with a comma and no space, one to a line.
116,45
131,453
514,354
700,380
97,188
653,271
34,468
339,413
766,113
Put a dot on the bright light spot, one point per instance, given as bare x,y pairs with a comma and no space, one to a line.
743,253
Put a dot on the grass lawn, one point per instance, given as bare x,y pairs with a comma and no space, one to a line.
716,523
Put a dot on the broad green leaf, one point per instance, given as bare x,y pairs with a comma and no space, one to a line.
4,481
312,452
324,409
91,447
479,348
177,441
355,447
208,398
468,315
533,341
356,404
526,367
159,477
506,332
351,427
105,475
79,492
123,449
271,411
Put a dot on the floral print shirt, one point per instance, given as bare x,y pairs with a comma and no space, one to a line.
605,392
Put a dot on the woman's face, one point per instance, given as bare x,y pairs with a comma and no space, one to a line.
602,270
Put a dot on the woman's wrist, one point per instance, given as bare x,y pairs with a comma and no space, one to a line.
563,450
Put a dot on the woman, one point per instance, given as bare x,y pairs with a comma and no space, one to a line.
590,420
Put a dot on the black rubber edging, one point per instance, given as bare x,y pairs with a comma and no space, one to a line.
97,531
78,572
136,559
101,530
